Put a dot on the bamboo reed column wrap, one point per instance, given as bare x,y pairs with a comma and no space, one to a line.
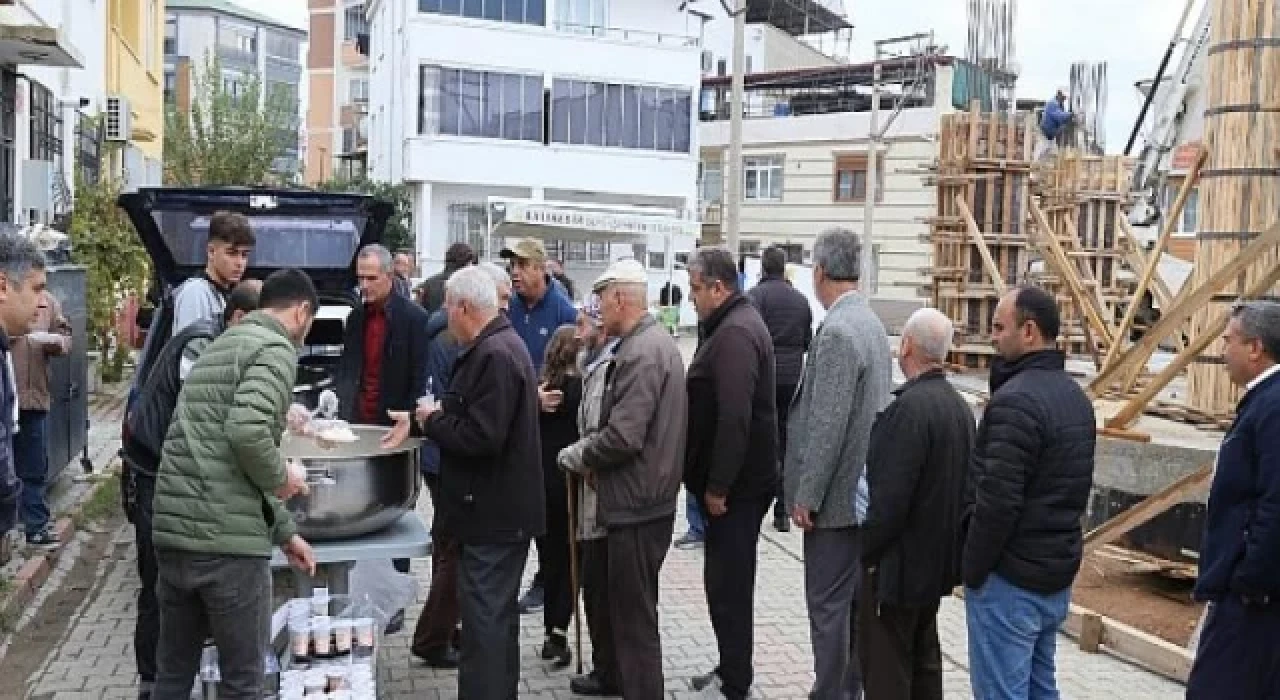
1240,185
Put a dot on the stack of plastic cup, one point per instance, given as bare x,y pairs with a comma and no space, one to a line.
364,634
322,636
300,628
343,634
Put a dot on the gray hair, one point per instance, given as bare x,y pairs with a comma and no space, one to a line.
498,276
19,255
473,286
715,263
931,331
1260,320
380,253
838,251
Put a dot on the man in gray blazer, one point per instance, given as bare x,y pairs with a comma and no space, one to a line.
847,380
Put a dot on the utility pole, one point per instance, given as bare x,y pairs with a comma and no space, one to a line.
873,171
735,182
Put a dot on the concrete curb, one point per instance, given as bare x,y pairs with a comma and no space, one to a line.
30,567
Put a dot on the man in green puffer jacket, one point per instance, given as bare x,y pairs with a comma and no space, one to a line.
219,492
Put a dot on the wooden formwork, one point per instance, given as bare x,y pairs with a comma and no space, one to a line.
985,238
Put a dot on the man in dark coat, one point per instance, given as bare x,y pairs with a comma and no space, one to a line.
491,496
790,320
916,469
458,256
1239,652
1032,471
384,356
731,457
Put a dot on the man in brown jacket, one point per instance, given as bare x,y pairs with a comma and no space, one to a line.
50,336
636,462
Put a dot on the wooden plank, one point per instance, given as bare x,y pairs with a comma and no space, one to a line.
1136,356
976,236
1091,631
1069,276
1147,508
1092,286
1162,244
1146,650
1135,405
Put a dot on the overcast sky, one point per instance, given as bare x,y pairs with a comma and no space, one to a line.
1130,35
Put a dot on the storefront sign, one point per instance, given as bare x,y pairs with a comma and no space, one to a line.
616,223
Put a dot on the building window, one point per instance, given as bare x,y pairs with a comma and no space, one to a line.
467,224
171,36
88,148
620,116
238,38
851,178
170,86
762,178
1188,222
234,85
514,11
358,90
282,47
710,182
353,22
582,16
793,251
480,103
46,124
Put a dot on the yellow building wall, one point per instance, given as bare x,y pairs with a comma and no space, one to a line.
135,67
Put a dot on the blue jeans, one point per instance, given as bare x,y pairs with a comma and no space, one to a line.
31,464
1012,637
693,513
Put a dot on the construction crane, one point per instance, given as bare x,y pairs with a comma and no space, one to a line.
1176,106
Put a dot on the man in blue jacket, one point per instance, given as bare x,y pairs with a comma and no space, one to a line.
1239,653
1055,119
537,309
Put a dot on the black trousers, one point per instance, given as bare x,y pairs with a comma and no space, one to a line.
488,595
203,595
729,575
146,632
898,649
782,404
595,601
636,553
553,555
437,627
1239,653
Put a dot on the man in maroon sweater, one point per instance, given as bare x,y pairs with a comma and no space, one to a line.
384,356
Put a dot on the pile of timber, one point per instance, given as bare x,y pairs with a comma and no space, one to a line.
998,212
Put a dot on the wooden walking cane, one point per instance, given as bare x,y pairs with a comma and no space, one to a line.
573,565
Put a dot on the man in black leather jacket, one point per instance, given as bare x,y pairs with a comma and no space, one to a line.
148,424
1029,484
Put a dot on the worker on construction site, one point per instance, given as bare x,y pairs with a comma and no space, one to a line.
1239,650
1055,120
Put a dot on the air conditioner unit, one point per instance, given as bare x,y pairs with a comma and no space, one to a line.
119,120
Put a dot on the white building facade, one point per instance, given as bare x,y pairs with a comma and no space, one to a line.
51,82
586,103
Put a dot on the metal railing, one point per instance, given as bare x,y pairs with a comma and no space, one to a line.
634,35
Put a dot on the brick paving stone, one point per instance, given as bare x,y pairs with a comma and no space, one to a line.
95,658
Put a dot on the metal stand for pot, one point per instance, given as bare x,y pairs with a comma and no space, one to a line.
407,538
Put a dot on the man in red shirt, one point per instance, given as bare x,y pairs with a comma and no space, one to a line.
384,355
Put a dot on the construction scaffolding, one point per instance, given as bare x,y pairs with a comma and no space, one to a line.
1003,221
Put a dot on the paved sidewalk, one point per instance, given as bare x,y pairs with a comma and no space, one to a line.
95,659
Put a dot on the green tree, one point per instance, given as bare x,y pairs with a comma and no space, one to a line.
399,233
231,134
103,240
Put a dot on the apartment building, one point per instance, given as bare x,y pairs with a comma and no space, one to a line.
246,44
338,91
780,35
511,116
806,156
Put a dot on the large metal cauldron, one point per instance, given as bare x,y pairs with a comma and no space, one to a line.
356,488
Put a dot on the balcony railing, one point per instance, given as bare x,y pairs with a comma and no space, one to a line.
711,213
632,35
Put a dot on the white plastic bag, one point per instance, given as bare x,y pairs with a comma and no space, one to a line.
378,590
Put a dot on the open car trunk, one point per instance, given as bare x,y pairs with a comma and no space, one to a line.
317,232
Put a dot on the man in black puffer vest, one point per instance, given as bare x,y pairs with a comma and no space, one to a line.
148,424
1029,484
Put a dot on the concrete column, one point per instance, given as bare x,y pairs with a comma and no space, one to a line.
430,252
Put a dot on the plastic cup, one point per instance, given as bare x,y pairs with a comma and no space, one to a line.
322,636
364,632
336,678
320,602
343,631
300,638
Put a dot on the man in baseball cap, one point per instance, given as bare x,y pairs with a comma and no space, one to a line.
538,307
